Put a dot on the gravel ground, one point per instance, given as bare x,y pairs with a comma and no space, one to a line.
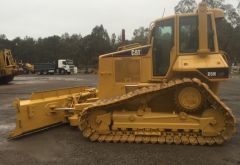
65,145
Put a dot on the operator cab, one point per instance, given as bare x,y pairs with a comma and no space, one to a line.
182,35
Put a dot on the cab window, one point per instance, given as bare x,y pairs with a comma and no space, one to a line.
210,34
162,46
188,34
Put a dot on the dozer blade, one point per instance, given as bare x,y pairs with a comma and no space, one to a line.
39,113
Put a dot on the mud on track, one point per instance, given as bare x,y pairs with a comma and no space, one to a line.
66,145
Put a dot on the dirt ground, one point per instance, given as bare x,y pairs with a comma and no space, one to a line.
66,145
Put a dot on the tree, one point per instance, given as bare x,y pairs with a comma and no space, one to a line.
100,32
25,49
231,15
4,42
3,37
140,35
87,44
95,44
83,50
101,41
215,3
113,39
238,8
185,6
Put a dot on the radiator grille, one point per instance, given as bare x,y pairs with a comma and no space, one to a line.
127,70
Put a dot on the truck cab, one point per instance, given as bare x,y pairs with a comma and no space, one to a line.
65,66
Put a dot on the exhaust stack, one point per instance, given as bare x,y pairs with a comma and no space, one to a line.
123,36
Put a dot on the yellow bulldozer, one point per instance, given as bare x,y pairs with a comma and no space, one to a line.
26,68
8,66
162,92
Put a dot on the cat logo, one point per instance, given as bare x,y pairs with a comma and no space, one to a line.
136,52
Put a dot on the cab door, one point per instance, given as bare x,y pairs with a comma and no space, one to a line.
163,42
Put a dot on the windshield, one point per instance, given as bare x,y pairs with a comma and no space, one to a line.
188,34
69,62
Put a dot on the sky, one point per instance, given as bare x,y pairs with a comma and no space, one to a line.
42,18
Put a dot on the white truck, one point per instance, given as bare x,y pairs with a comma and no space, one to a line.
63,66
